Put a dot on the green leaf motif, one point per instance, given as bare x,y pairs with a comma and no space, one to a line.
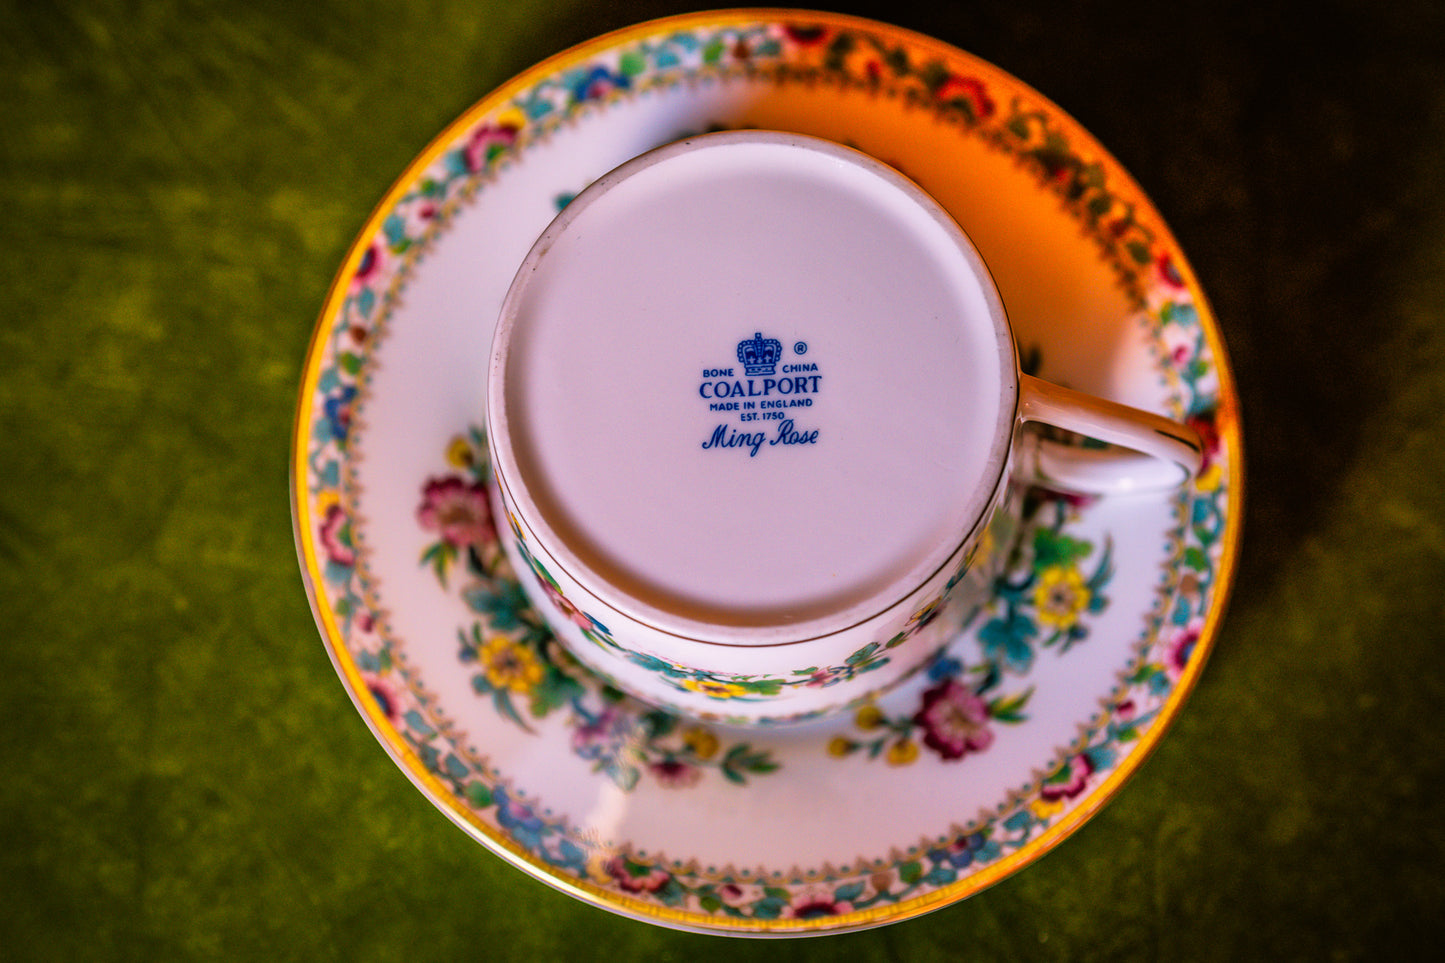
863,654
1052,548
742,758
1010,708
556,690
502,699
1144,673
418,725
632,63
934,74
478,795
838,50
769,908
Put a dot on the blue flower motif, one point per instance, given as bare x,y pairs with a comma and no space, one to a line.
1007,640
597,83
944,667
518,819
962,852
337,408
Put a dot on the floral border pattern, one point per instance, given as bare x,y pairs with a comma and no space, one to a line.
517,657
805,52
514,657
722,687
1044,585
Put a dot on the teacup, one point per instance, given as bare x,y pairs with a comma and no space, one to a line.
754,410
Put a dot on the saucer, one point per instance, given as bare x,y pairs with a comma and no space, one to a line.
1035,714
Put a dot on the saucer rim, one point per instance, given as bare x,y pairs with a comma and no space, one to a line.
500,842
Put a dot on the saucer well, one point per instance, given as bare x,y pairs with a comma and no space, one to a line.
1041,708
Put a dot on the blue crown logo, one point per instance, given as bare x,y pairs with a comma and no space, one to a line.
759,355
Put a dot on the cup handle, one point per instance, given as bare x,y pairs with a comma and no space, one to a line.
1154,453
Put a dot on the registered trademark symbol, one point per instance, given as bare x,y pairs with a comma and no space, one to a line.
800,348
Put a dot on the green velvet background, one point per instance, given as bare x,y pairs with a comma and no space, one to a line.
184,776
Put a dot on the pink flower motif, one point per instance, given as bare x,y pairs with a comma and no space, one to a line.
1080,769
821,679
486,142
569,611
954,720
1167,272
1071,499
812,904
602,734
741,895
419,217
1180,647
370,266
458,510
1209,434
635,877
385,696
336,537
971,91
806,35
672,774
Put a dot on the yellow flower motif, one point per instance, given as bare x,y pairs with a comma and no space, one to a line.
701,741
597,867
983,550
925,613
512,118
324,500
868,717
839,747
901,753
459,453
509,665
1046,808
1211,478
714,689
1060,596
986,544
